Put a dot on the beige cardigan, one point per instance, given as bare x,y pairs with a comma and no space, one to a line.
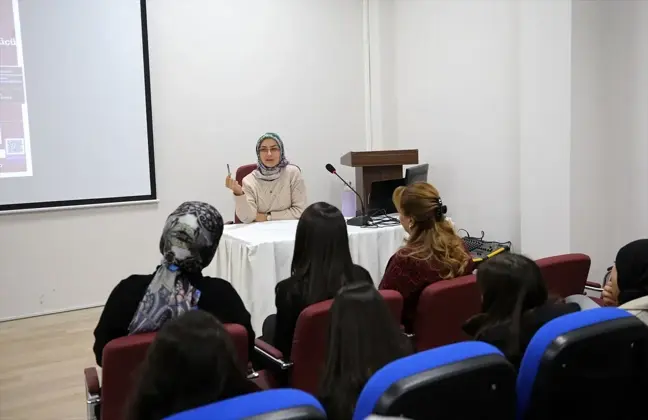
284,198
638,308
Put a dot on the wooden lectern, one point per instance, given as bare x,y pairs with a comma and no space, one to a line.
379,165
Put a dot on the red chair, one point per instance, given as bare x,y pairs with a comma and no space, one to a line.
121,360
241,173
310,343
565,275
443,308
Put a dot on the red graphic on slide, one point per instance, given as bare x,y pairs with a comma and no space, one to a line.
15,159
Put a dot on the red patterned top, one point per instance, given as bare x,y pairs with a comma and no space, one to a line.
409,276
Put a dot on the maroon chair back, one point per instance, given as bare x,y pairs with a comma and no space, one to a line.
241,173
565,275
310,341
442,309
122,358
240,338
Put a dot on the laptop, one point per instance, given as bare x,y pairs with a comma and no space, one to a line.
380,195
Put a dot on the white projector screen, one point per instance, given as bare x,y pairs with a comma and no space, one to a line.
75,108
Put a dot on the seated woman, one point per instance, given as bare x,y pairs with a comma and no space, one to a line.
143,303
192,362
363,337
628,284
273,191
432,252
515,304
321,264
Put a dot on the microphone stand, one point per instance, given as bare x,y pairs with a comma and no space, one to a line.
362,220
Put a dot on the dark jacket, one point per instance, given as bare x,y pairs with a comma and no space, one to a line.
290,303
217,297
499,334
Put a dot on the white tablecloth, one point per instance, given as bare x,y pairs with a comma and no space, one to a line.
255,257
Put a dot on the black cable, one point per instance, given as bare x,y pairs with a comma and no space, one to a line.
385,219
467,233
379,218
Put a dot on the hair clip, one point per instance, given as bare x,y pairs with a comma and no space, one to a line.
441,209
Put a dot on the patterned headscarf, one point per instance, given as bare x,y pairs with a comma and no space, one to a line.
262,171
189,240
632,271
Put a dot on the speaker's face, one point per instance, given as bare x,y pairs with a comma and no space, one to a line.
269,153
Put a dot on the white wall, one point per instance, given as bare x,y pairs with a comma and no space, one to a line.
222,73
544,88
483,91
531,115
610,139
382,66
456,101
625,84
591,179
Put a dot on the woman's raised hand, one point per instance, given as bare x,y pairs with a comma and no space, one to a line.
610,295
233,185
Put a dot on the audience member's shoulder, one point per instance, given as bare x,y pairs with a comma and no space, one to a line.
564,308
550,311
285,286
287,292
403,256
214,283
403,253
134,285
361,274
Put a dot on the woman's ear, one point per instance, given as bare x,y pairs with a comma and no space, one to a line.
406,222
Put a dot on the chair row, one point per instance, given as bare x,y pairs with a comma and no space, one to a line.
443,308
568,360
121,360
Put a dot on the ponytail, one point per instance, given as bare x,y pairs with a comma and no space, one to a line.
440,244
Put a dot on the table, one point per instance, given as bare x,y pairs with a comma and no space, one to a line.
255,257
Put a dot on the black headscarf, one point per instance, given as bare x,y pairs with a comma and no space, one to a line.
632,271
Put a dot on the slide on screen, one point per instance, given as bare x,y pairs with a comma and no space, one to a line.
15,156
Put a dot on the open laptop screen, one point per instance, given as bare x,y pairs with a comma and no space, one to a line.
380,196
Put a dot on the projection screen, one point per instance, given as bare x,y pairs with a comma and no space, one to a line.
75,104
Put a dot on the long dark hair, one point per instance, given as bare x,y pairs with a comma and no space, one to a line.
363,337
321,260
510,284
191,362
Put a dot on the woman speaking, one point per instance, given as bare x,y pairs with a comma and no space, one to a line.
275,190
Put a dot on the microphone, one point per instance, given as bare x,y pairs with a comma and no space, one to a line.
358,220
